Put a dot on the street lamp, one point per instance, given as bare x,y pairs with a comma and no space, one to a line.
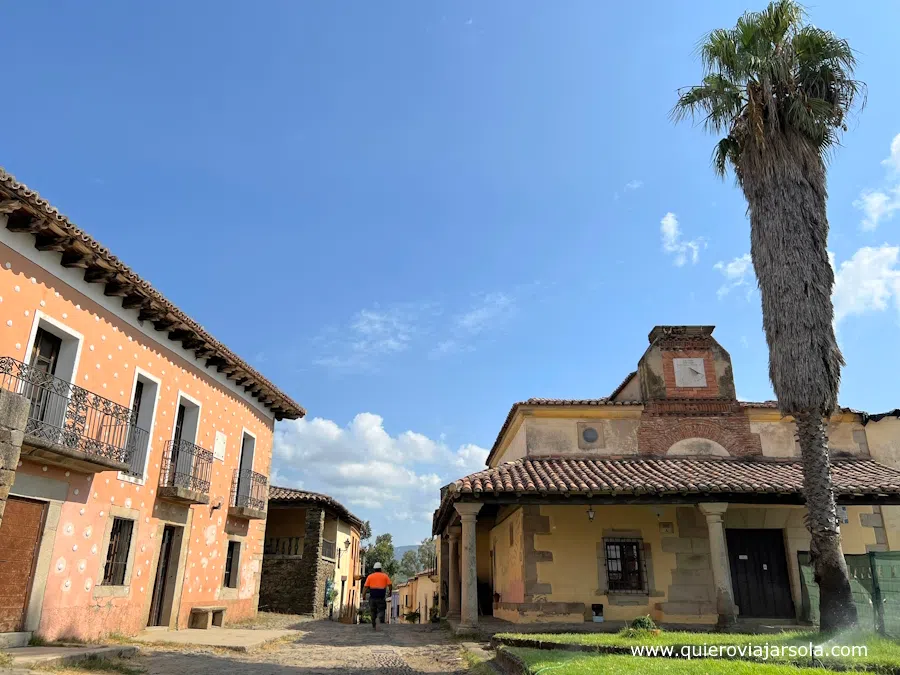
590,513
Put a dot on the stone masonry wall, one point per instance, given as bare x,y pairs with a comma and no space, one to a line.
279,586
311,582
692,592
13,417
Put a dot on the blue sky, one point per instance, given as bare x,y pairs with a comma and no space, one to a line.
410,215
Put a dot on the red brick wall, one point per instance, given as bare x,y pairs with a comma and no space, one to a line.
694,412
711,390
658,432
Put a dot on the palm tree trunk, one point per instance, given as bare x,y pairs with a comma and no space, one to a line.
783,180
836,608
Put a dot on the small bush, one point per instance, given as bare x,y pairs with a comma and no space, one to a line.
643,623
6,660
412,617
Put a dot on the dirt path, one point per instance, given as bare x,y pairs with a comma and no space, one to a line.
320,648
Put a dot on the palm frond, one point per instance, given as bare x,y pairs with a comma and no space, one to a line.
772,74
718,98
726,152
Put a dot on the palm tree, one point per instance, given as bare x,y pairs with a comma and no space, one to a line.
781,91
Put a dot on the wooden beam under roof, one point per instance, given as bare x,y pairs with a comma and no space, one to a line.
24,221
96,274
165,323
151,313
180,334
74,258
50,242
117,289
9,205
133,301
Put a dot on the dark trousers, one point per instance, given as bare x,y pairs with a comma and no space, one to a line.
377,608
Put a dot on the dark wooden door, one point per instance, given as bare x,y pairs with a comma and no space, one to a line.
158,598
20,535
759,574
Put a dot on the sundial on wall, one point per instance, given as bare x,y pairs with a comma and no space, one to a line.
689,372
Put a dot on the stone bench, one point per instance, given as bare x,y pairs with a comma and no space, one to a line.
207,616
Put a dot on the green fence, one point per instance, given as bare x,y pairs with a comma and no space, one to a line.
875,583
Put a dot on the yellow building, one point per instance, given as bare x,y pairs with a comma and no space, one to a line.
419,593
669,497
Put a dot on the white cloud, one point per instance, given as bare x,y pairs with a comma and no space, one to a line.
634,185
880,204
877,206
737,272
892,162
868,282
365,467
470,458
490,309
371,336
489,312
673,243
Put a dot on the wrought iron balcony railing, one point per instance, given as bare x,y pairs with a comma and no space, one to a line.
249,490
187,466
63,414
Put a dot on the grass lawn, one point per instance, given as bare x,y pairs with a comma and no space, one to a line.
880,653
572,663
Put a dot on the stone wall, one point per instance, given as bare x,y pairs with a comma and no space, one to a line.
13,417
691,592
296,584
279,587
311,584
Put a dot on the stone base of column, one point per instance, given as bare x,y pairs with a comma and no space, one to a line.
726,622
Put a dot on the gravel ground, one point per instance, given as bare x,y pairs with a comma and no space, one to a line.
319,648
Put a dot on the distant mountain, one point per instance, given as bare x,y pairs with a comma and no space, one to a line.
400,550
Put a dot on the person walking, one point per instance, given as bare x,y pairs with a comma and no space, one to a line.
378,584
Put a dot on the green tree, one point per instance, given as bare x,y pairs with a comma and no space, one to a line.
780,91
409,564
382,551
425,555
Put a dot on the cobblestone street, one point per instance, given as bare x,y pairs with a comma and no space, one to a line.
320,648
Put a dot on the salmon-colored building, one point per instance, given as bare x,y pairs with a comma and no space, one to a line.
134,447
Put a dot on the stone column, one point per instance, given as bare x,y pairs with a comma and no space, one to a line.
467,566
13,418
721,569
311,582
453,580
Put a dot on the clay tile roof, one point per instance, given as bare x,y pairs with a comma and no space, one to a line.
53,231
656,476
289,496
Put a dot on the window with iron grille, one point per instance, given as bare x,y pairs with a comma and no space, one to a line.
626,570
232,563
117,553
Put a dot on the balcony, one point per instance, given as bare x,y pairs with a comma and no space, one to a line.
249,495
72,427
184,476
284,546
